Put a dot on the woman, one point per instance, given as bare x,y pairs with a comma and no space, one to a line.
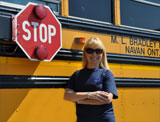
93,87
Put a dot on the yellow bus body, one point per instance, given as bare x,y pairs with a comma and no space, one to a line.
135,104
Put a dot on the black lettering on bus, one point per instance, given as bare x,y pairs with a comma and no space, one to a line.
131,41
134,50
114,39
153,52
154,42
122,42
149,43
142,42
135,41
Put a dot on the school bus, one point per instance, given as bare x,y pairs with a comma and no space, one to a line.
32,91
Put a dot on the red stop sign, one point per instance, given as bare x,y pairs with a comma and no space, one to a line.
38,32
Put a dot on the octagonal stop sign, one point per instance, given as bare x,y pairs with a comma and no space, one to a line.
37,31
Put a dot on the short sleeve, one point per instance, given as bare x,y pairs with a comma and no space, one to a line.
109,83
71,82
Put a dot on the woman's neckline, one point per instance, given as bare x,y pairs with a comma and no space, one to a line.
91,69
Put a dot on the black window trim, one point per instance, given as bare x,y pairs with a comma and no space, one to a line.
90,20
137,28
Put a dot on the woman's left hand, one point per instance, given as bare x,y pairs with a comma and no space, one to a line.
102,96
109,97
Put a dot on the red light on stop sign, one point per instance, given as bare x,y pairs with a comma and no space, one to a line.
40,11
41,52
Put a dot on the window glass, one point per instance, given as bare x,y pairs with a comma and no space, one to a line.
23,2
142,14
91,9
53,5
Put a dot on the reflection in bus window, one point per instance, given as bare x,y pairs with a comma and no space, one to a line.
100,10
141,14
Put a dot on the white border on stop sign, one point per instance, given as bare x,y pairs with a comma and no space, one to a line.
15,32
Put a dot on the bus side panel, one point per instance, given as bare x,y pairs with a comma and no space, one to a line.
137,105
47,105
35,105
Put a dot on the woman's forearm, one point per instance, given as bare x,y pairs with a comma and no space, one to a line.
91,102
75,96
97,101
97,97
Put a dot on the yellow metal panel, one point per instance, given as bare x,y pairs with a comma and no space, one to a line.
140,67
35,105
140,71
3,60
23,66
120,44
47,105
135,71
140,74
65,8
138,105
69,36
117,12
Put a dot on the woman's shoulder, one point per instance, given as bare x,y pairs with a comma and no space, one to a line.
76,72
107,72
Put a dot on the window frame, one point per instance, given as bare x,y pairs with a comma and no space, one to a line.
96,21
138,28
13,7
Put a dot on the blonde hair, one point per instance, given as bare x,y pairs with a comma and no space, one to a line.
95,42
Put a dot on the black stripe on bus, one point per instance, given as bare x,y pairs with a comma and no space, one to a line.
19,81
12,50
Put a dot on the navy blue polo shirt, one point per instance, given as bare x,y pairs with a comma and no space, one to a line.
98,79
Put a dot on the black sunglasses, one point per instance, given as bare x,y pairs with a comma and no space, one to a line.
91,51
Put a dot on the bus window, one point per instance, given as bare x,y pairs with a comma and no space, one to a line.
100,10
53,4
141,14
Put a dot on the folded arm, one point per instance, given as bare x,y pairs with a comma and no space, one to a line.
93,98
74,96
107,100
